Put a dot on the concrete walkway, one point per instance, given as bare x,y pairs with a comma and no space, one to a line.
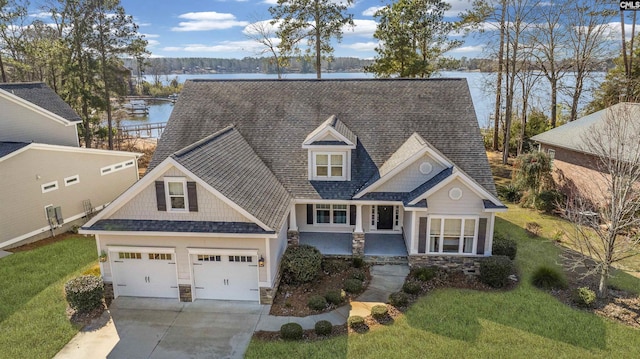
4,254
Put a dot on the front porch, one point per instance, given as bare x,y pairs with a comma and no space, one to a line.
375,244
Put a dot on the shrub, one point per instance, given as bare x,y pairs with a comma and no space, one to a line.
84,293
379,311
301,264
355,321
546,277
291,331
533,228
353,285
335,265
324,327
399,299
548,201
503,246
510,193
424,274
317,302
359,275
334,296
495,271
358,262
411,287
584,297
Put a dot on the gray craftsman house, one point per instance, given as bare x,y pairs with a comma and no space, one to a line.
373,168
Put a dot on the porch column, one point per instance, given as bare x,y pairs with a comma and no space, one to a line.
293,236
357,242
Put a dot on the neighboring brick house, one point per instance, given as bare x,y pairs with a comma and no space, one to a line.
373,168
576,169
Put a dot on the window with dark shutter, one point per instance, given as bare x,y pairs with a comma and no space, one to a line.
193,196
309,214
160,198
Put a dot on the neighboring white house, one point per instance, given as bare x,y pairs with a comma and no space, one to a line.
49,183
373,168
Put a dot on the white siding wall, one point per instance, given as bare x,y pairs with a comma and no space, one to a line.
210,207
411,177
181,244
407,226
301,218
440,203
277,247
20,124
22,206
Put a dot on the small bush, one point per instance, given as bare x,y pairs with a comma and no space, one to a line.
510,193
548,278
291,331
353,285
503,246
84,293
323,327
533,228
584,297
355,321
359,275
301,264
335,296
424,274
558,236
495,271
379,311
358,262
335,265
548,201
411,287
399,299
317,302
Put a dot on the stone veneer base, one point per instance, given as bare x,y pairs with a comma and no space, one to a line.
467,265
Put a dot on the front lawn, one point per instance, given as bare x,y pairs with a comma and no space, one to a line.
522,323
33,319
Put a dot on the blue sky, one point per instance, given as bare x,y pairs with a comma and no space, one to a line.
217,28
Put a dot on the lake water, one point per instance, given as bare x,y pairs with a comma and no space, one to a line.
480,87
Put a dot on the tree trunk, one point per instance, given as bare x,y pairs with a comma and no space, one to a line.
496,121
318,48
576,97
4,75
554,100
624,49
630,86
603,291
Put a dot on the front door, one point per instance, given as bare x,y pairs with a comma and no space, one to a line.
385,217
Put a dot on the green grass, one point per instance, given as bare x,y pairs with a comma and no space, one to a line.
521,323
33,320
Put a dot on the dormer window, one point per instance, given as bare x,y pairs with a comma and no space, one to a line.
329,166
330,146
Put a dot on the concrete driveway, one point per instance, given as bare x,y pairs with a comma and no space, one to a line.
166,328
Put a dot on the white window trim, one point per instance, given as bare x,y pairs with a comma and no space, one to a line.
167,195
75,179
116,167
315,217
346,166
460,252
54,187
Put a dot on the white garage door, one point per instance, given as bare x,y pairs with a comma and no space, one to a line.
220,275
137,273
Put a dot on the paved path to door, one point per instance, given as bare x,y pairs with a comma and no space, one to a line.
165,328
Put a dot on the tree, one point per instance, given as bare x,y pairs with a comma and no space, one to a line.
606,217
413,36
318,21
263,32
12,18
532,173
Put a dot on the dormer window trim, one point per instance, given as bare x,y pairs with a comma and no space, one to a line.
328,165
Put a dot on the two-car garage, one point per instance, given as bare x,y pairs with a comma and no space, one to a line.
221,274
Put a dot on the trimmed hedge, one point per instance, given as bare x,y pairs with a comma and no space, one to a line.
301,264
84,293
353,285
411,287
379,311
584,297
334,296
358,262
359,275
424,274
546,277
503,246
355,321
317,302
291,331
399,299
495,271
323,327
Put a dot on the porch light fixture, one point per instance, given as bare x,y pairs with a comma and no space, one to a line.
261,261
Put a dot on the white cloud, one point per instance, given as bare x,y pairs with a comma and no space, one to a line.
264,24
153,43
207,20
361,46
41,15
223,46
371,11
467,49
363,28
270,2
150,36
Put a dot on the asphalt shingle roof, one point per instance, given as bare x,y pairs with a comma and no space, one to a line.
275,117
40,94
143,225
7,148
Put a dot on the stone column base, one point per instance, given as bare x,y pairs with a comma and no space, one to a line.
466,265
358,244
293,238
266,295
185,293
108,293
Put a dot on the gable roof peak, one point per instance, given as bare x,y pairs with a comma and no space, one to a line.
334,127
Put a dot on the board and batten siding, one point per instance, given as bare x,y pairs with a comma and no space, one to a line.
22,206
210,207
411,177
182,255
440,203
21,124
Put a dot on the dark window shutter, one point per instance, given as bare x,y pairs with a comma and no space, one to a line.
309,214
352,215
482,235
160,199
422,235
193,196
